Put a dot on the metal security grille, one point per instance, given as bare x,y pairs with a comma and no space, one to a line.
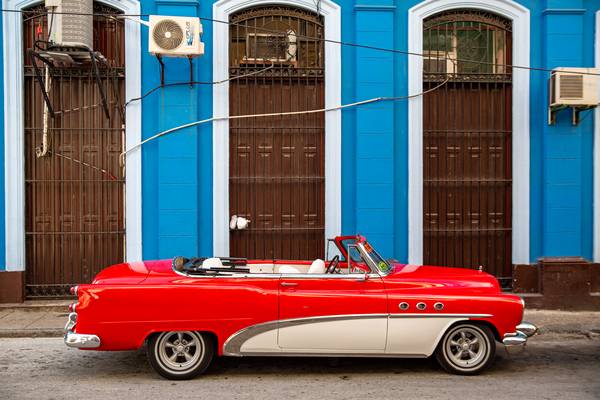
277,164
74,193
467,127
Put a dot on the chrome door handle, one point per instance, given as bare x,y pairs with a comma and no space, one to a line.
289,284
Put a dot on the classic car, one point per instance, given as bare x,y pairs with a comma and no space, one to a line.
356,303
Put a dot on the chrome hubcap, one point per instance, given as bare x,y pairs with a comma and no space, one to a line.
466,347
179,351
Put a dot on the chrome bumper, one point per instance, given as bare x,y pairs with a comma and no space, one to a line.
81,341
524,331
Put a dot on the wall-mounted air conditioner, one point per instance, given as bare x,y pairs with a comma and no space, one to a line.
175,36
70,23
574,87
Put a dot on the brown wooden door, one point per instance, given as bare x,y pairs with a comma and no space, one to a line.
467,194
74,218
276,164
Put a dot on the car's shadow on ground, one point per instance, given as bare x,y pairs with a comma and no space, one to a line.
135,362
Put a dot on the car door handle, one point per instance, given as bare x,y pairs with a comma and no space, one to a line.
289,284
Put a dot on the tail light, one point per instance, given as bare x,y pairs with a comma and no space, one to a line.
73,307
73,290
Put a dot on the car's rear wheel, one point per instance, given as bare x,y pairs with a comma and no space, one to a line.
466,349
180,355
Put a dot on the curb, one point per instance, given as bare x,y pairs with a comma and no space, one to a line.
32,333
51,307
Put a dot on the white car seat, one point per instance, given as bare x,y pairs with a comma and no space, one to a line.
317,267
288,269
212,262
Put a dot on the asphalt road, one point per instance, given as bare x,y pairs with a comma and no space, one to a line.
558,367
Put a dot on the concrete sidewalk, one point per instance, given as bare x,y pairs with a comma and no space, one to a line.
47,319
34,318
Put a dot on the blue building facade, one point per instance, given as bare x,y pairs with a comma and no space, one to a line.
555,193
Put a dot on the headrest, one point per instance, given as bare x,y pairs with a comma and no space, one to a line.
317,267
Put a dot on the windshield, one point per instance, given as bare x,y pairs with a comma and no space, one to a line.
383,266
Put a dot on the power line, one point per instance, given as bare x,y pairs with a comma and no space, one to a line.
279,114
338,42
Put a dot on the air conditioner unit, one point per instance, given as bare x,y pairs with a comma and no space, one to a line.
569,87
70,23
175,36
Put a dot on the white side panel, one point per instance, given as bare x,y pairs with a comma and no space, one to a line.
416,336
350,335
265,342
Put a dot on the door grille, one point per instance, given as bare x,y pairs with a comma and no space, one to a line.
277,164
74,214
467,128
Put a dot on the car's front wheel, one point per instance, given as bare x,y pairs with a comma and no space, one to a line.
466,349
180,355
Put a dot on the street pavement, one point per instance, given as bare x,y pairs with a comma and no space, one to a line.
552,366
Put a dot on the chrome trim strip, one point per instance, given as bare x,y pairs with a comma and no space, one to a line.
233,345
278,275
439,315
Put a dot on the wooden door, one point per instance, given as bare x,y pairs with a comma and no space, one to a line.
74,201
277,164
467,127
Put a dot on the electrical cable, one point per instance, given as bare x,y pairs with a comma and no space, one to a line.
149,92
341,43
277,114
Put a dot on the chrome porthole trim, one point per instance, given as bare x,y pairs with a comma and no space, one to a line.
421,305
403,306
438,306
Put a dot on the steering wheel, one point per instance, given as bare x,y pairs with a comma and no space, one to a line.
333,265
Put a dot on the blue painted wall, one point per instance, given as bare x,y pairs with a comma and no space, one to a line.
177,170
374,143
566,155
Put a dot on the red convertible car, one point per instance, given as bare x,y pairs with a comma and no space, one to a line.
356,304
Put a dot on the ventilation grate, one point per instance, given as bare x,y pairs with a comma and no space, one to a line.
571,86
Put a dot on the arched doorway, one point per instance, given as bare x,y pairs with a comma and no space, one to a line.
74,193
277,164
467,139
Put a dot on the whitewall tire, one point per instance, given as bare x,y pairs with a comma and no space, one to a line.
180,355
466,349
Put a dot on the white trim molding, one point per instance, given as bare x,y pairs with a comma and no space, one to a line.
333,122
520,18
14,167
596,172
